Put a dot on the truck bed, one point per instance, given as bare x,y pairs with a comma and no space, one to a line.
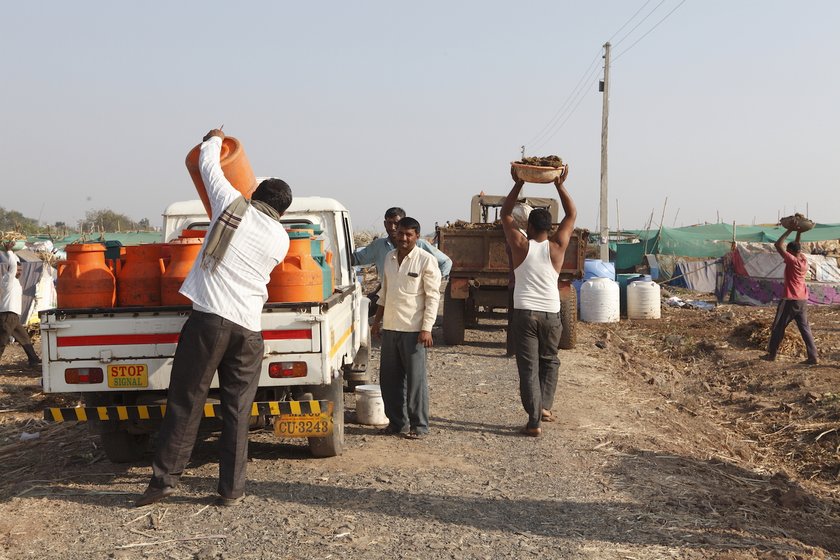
479,250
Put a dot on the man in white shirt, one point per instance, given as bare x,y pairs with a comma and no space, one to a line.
11,304
407,309
227,286
375,252
537,259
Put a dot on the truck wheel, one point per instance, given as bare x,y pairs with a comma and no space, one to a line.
332,445
121,446
568,318
453,318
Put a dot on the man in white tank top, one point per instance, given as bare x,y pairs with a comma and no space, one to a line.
537,260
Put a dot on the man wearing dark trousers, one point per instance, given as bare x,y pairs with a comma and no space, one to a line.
227,287
405,313
794,302
537,260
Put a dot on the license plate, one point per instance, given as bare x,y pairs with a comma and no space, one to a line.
128,376
303,425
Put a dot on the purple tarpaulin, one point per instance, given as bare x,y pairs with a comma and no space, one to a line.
764,291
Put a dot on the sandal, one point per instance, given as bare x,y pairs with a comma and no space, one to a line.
547,416
414,435
533,432
388,431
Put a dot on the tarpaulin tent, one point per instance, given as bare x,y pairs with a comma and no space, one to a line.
753,274
706,241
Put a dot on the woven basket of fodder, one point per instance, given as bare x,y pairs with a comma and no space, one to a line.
797,222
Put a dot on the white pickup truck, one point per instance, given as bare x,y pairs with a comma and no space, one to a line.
120,358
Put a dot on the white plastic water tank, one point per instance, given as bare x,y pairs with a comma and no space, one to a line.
643,300
599,301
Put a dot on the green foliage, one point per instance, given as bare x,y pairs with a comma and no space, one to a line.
12,220
95,220
108,220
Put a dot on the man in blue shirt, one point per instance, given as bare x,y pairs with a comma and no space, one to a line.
376,251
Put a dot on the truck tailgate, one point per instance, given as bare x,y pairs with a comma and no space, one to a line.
152,335
145,339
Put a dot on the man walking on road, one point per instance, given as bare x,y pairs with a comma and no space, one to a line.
794,302
227,285
537,260
11,305
407,309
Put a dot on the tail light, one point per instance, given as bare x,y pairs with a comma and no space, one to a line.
287,369
77,376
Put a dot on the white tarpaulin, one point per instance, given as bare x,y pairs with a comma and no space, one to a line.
700,276
762,261
825,268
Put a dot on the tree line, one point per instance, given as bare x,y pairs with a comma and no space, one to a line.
95,220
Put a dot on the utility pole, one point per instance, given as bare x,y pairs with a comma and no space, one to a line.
605,114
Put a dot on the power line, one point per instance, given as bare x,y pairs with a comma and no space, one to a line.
642,7
562,124
649,30
570,109
570,100
566,103
650,13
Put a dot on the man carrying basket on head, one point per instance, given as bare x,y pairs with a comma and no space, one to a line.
793,305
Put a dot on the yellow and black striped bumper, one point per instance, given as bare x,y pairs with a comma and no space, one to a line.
156,412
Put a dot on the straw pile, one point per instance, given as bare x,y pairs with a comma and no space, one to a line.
12,236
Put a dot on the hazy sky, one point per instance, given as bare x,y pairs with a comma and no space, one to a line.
726,106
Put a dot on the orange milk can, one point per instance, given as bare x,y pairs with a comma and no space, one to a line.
182,255
84,280
235,166
138,276
299,277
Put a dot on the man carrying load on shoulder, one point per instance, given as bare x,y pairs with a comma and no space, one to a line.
537,258
794,302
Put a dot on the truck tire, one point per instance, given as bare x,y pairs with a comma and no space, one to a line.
454,311
121,446
332,445
470,313
568,318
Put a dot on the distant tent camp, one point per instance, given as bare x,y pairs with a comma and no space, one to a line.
709,241
714,257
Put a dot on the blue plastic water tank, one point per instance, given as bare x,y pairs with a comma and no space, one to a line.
594,268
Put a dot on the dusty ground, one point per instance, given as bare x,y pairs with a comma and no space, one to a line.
673,441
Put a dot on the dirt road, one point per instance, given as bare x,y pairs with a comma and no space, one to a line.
644,462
